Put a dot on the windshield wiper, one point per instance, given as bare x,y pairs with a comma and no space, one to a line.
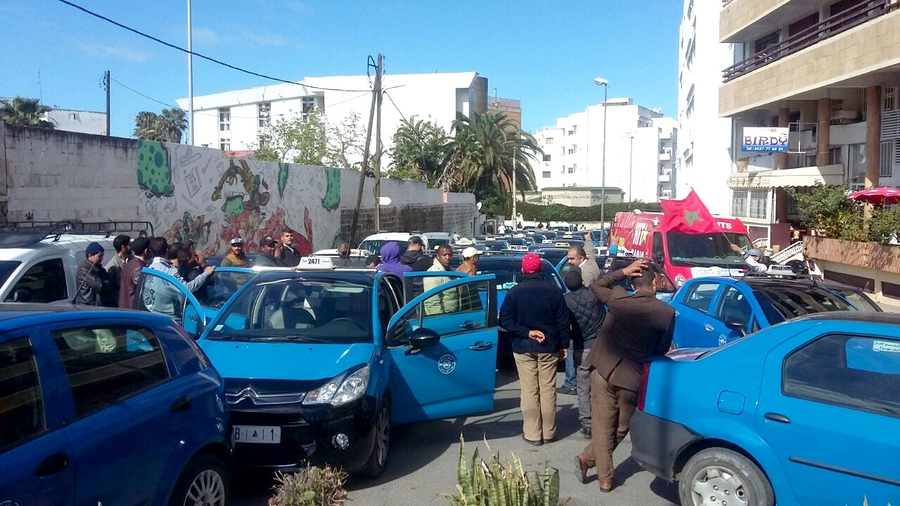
305,339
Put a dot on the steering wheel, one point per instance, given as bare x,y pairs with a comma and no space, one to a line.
342,319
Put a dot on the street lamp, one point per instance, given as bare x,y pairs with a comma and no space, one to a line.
599,81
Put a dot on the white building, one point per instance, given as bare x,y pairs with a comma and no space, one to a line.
704,139
637,160
232,120
85,122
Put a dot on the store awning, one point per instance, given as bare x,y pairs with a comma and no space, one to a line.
801,176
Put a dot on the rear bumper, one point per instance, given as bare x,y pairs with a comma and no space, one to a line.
657,443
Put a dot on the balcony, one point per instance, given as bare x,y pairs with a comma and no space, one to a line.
665,176
665,156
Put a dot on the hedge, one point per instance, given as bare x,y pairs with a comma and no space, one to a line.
559,212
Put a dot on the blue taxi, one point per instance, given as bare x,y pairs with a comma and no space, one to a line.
319,363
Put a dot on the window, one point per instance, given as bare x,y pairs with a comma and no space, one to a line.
888,98
265,113
225,144
545,174
546,158
734,307
886,160
571,170
856,165
739,203
224,119
658,253
43,282
465,302
571,151
700,296
548,141
759,200
857,372
804,24
21,399
766,42
108,364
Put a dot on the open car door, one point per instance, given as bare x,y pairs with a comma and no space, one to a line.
161,293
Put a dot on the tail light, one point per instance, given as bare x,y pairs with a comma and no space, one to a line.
642,395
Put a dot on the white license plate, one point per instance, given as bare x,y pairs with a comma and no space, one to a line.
255,434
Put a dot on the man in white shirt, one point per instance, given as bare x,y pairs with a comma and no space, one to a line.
752,258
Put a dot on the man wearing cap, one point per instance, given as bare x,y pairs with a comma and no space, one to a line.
266,256
535,315
131,273
469,264
236,256
415,256
752,258
91,278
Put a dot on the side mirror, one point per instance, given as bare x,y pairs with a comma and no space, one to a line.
21,295
422,338
737,326
659,259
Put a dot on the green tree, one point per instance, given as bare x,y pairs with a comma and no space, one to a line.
169,126
827,210
174,123
25,112
417,150
483,154
294,140
345,142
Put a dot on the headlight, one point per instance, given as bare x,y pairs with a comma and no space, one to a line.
679,280
341,389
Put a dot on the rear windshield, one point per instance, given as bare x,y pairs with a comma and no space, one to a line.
780,303
6,269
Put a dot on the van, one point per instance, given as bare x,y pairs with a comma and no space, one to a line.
38,263
681,255
374,242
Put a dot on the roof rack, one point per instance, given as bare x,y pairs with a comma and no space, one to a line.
19,234
777,271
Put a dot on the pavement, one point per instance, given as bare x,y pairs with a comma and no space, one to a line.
423,460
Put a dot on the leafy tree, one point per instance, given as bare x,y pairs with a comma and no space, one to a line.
169,126
25,112
827,210
484,153
312,141
417,150
346,141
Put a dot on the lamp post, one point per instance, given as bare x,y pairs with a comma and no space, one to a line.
599,81
630,162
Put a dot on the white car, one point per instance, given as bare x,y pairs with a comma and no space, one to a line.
435,239
333,252
375,241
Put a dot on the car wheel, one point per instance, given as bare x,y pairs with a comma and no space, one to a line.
721,477
205,481
378,459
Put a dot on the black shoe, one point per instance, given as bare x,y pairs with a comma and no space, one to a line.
567,391
548,441
586,432
532,443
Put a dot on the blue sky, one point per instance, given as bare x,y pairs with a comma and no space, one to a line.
544,53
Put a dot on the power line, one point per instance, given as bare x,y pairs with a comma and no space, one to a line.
213,60
141,94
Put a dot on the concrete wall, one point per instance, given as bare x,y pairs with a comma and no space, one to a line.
188,192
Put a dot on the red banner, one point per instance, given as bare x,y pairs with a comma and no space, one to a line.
689,215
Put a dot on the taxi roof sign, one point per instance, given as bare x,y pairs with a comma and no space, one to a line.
314,263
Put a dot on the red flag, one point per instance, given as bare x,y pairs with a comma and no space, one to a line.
689,215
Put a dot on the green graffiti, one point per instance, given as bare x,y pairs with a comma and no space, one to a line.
282,178
332,198
233,206
153,172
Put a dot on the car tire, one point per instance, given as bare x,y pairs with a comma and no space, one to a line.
715,474
377,462
205,480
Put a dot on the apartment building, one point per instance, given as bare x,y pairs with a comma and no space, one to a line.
824,72
639,145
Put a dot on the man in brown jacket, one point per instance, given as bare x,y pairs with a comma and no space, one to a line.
131,272
636,328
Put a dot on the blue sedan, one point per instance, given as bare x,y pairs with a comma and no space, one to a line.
805,413
107,406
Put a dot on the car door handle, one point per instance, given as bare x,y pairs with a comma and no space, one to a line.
180,404
481,346
776,417
52,464
471,325
709,327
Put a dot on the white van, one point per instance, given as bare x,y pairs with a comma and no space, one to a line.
375,241
40,265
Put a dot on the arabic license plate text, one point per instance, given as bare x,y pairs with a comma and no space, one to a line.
255,434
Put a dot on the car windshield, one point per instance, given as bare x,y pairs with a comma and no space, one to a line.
509,274
374,245
220,286
780,303
301,310
6,269
706,249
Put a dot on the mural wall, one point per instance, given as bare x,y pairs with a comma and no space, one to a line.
197,194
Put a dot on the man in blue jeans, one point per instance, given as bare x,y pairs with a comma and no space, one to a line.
585,258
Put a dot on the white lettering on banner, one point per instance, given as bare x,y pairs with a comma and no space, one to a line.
724,224
639,233
886,346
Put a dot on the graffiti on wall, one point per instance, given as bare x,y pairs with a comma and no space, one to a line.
198,194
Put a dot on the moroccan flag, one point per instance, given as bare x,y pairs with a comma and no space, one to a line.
689,215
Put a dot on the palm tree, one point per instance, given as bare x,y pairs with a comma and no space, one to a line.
25,112
166,127
174,123
147,126
417,150
483,154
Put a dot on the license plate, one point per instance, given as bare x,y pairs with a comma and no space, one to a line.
255,434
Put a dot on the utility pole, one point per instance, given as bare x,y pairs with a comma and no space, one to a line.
365,163
378,94
190,46
106,85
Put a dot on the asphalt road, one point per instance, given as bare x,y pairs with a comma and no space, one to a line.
423,460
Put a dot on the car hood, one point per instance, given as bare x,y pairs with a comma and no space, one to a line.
284,361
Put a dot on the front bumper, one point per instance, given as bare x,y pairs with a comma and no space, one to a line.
307,434
656,443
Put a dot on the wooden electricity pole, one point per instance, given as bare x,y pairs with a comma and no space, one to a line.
376,102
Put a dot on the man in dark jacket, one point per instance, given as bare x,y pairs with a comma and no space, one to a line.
415,256
537,319
91,278
122,245
587,315
266,256
290,256
131,273
637,327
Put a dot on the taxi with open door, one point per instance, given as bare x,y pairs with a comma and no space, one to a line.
321,362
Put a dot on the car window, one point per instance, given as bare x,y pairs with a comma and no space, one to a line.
734,307
508,274
858,299
466,302
6,269
783,302
21,400
388,301
42,282
106,364
219,287
858,372
700,295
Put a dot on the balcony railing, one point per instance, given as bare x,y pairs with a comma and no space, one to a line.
827,28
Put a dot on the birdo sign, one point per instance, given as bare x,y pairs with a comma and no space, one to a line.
765,139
